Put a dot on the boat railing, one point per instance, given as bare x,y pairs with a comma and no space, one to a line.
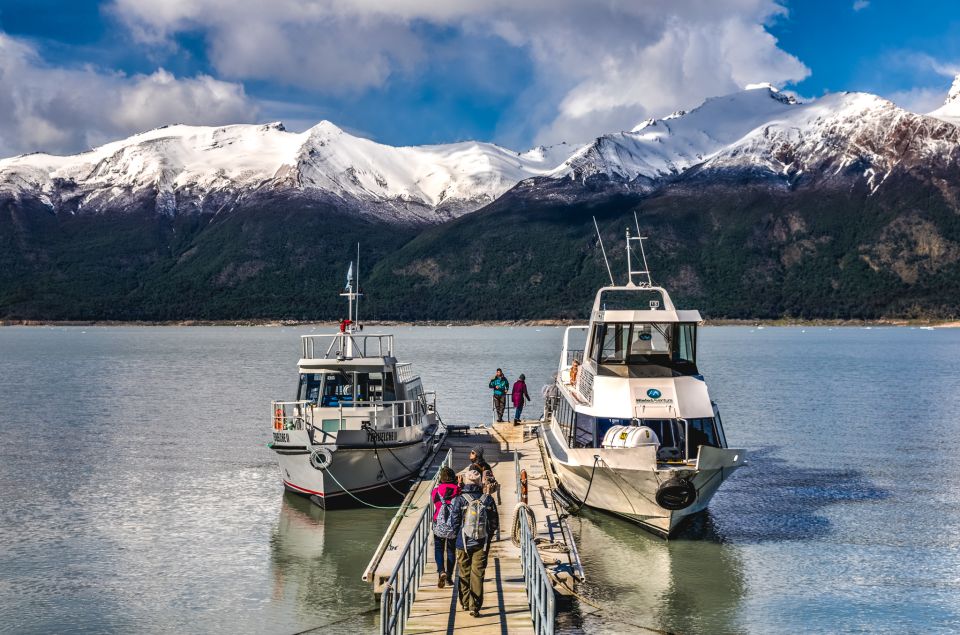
405,372
291,415
401,587
574,355
380,415
540,594
335,346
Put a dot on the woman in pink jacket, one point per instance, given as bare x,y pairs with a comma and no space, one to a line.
443,496
519,393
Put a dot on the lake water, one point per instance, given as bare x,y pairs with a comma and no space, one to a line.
138,494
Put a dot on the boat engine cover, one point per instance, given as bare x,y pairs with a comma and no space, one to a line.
630,437
676,493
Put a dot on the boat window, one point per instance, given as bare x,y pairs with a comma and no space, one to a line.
337,389
309,389
721,437
389,390
583,436
650,349
664,430
702,432
686,348
615,338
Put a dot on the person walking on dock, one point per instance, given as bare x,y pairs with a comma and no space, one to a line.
476,521
499,384
444,534
519,393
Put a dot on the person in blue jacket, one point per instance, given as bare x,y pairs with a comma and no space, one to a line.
471,554
499,385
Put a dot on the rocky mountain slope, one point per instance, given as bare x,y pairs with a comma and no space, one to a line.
759,206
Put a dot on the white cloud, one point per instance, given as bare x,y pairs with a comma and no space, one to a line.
860,5
918,100
598,66
66,110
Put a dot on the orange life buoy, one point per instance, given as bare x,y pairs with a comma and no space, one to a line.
278,419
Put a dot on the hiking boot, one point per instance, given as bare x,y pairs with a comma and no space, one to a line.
442,582
475,613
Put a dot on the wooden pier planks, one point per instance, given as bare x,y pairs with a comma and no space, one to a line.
505,597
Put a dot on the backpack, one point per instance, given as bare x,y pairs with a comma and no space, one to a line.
475,523
443,525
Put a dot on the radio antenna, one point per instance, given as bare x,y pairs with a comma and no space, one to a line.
604,251
357,313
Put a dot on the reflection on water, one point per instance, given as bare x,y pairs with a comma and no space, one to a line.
138,494
317,559
642,582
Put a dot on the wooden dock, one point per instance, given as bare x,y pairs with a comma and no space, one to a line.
506,606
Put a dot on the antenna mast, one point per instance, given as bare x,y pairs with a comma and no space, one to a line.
604,251
643,256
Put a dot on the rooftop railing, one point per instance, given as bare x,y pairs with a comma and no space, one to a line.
337,346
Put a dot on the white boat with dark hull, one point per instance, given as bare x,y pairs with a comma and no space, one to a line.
362,423
636,433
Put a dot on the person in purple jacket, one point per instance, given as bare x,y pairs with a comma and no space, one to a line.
519,394
444,494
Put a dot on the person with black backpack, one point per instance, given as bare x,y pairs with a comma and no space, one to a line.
475,522
444,535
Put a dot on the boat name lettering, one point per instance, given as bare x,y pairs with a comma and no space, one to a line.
373,437
281,437
656,401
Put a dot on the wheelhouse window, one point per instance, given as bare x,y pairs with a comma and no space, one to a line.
703,432
309,389
670,346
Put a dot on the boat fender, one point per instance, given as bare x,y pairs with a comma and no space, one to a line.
676,493
321,458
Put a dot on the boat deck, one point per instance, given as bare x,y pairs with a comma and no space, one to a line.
506,606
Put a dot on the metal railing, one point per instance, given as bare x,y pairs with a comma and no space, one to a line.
540,595
291,415
574,354
400,589
405,372
380,415
335,346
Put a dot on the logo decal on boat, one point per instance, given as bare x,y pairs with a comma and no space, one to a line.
653,393
646,337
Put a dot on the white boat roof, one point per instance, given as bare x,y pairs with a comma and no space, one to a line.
656,315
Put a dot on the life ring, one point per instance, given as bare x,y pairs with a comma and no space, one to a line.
278,419
321,458
676,493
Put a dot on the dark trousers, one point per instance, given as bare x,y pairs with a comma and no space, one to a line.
499,402
472,565
518,410
450,546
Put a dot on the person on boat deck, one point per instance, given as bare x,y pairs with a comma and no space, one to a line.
499,384
519,393
574,369
444,549
472,554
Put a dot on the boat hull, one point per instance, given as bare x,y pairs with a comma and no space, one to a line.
624,481
352,476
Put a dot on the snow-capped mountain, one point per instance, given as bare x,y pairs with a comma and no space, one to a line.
180,169
184,168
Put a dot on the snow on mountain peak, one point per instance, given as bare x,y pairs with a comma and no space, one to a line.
950,110
954,95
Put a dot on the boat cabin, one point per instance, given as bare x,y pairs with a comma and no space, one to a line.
635,334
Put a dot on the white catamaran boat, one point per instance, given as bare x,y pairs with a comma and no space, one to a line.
362,423
636,433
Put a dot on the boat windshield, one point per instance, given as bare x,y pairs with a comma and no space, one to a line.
334,388
669,347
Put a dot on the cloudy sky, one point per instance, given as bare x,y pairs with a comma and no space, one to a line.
76,73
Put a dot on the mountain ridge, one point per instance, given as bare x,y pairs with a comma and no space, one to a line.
844,207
